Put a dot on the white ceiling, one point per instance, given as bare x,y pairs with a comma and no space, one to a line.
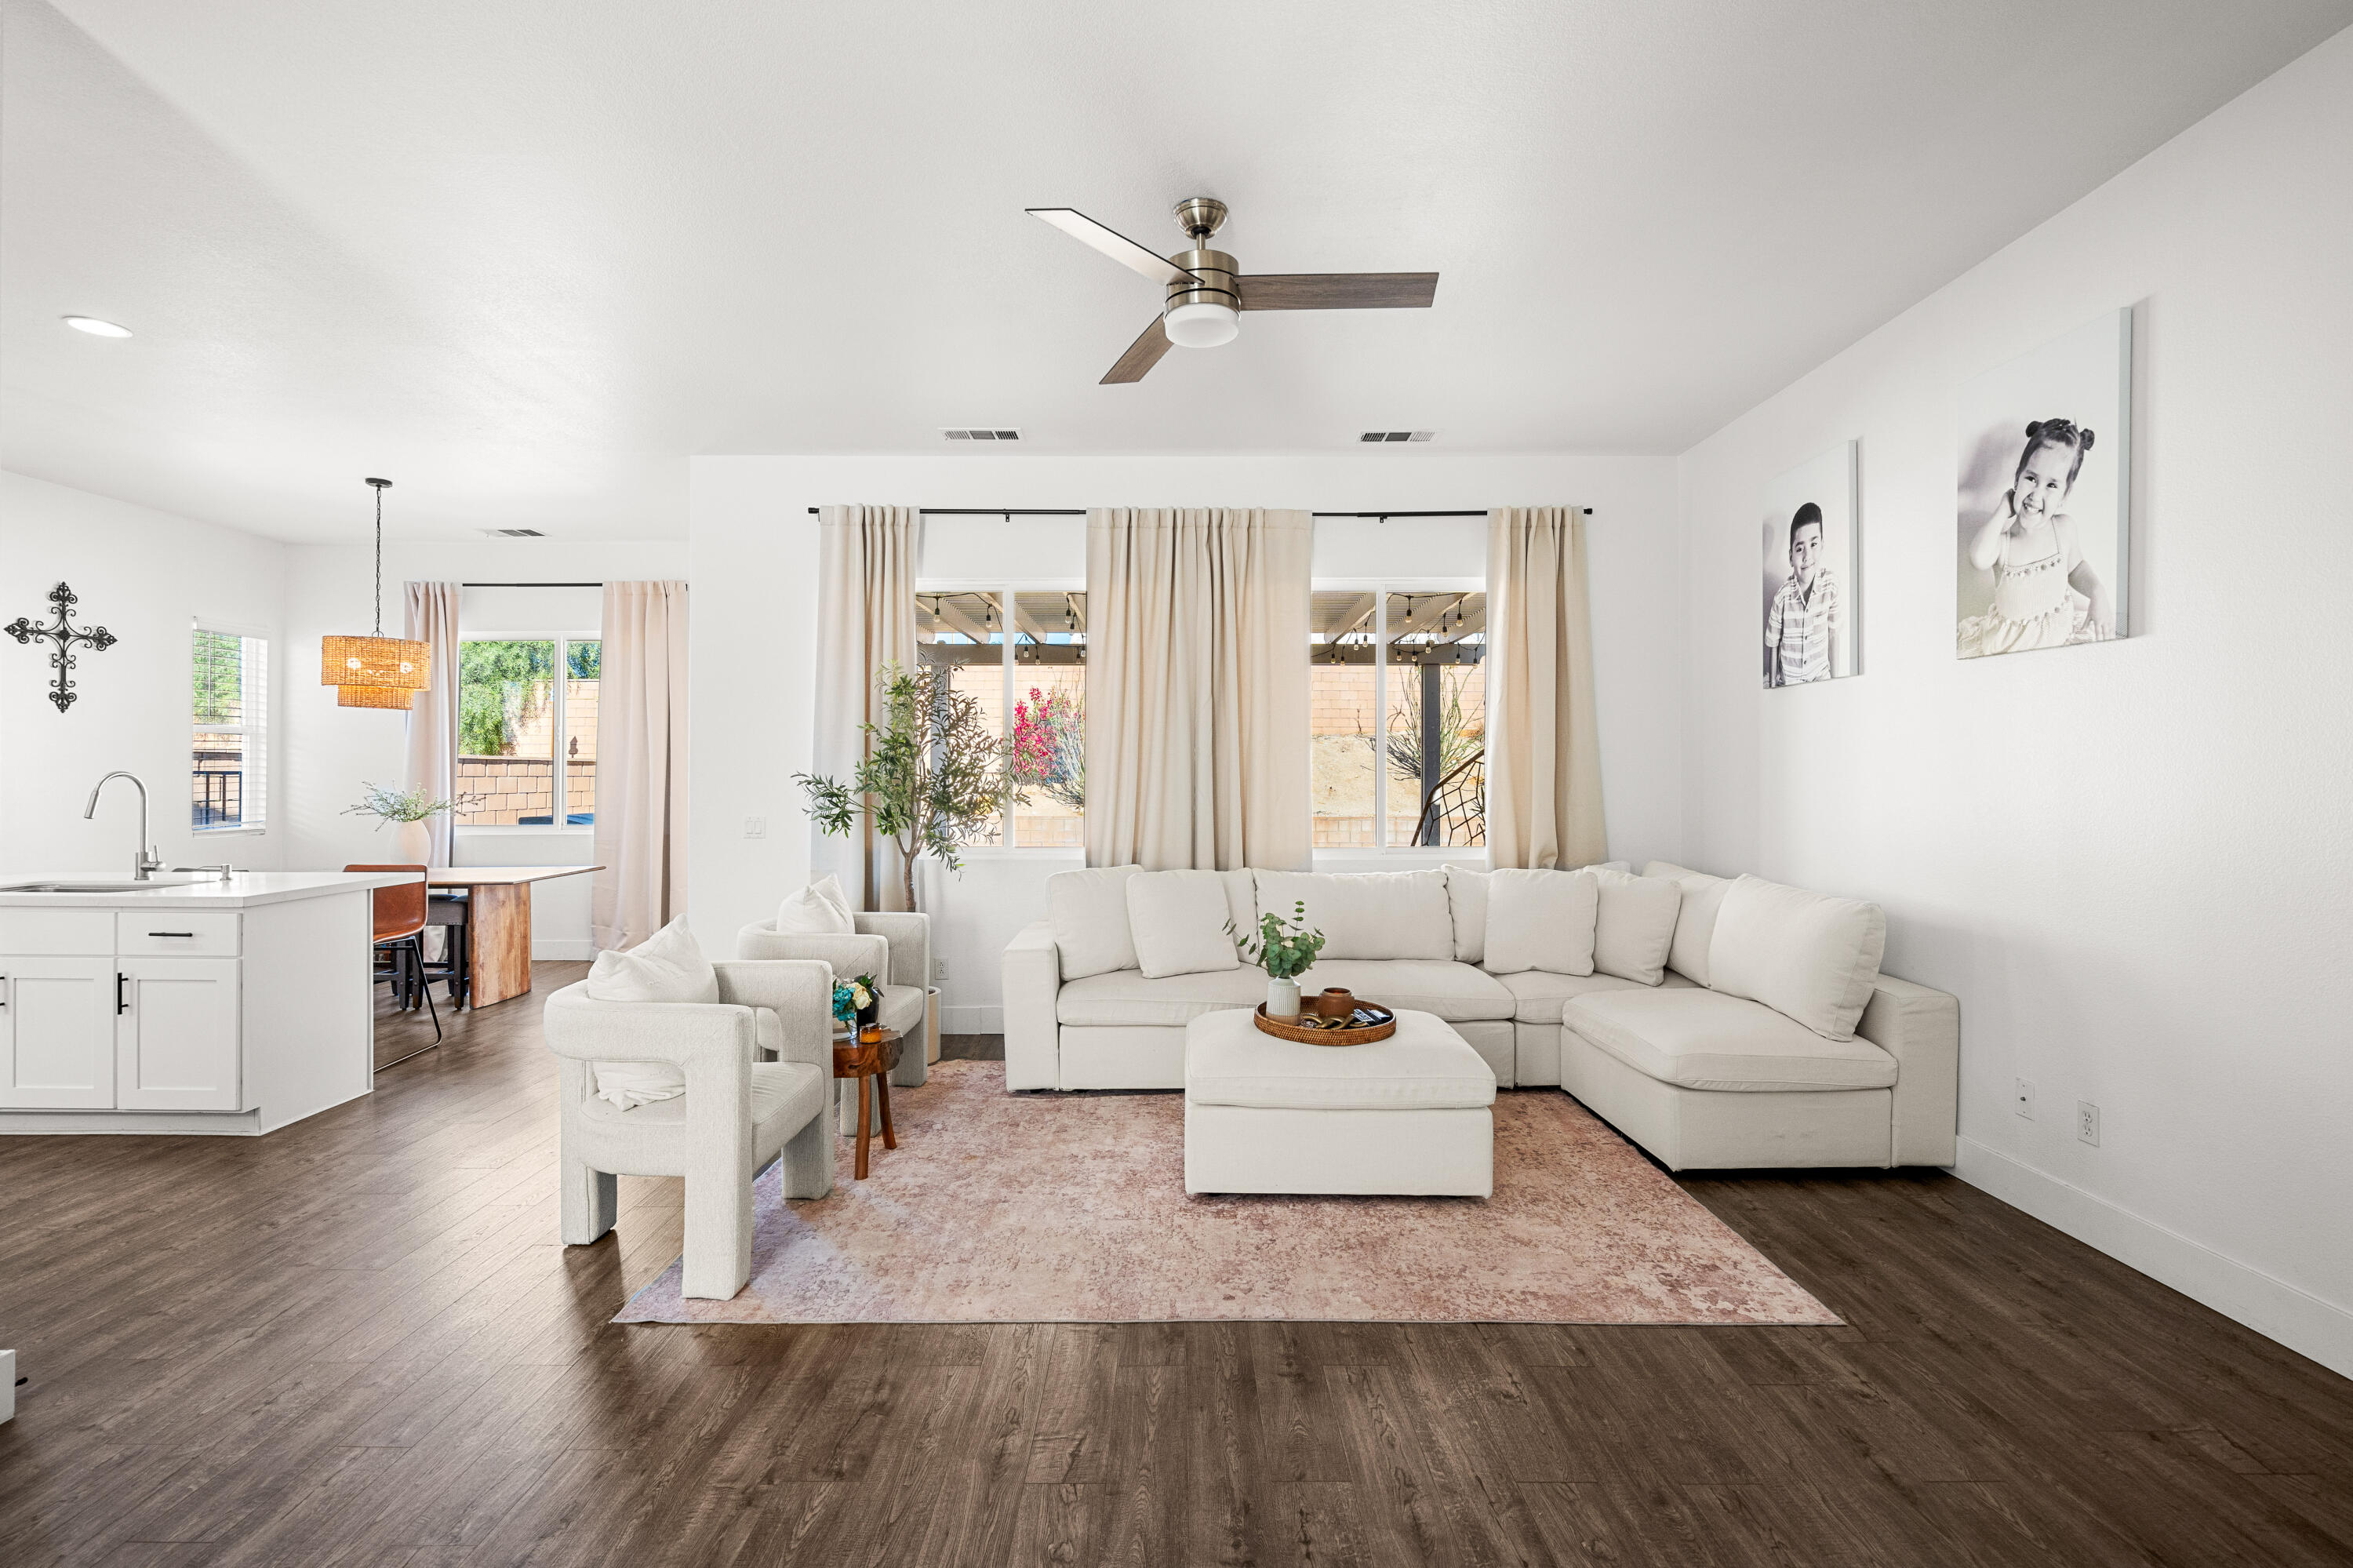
525,256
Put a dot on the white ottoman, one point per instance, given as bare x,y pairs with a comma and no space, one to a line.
1405,1115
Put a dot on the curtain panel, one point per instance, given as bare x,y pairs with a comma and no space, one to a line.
642,756
1197,746
867,558
430,617
1543,751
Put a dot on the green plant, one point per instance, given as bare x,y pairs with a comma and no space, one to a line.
852,995
1282,947
500,688
936,772
413,804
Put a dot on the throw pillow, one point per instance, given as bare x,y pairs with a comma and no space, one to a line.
1636,925
1178,921
1466,895
667,966
1541,920
1366,915
1695,920
1805,955
820,909
1088,912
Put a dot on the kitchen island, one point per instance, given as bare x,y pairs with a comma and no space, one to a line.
185,1004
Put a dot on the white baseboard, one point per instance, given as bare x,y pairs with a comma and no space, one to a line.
971,1021
580,948
2272,1308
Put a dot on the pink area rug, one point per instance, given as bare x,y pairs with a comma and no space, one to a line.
998,1208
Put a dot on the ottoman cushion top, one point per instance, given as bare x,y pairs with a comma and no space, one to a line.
1425,1065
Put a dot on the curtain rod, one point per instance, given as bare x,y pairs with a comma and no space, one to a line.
531,584
1010,512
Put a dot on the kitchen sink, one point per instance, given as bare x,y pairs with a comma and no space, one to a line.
154,884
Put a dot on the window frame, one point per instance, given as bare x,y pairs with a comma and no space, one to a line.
559,732
1382,589
254,728
1004,588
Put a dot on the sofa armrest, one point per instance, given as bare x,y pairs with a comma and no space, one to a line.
1921,1028
799,990
848,953
910,937
1033,978
710,1043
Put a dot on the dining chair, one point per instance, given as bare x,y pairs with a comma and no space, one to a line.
400,942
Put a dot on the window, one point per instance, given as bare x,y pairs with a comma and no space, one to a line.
516,716
230,703
1398,704
1021,654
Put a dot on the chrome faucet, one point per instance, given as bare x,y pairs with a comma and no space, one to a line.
143,860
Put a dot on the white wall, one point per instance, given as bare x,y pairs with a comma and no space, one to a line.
146,577
2131,862
754,557
332,750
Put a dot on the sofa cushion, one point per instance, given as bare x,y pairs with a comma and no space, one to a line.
1424,1066
1128,998
820,909
1368,915
1466,895
1541,920
1088,912
1455,992
1807,955
1537,994
1178,919
1635,925
1701,1039
1695,919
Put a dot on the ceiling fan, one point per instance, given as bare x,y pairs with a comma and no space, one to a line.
1205,287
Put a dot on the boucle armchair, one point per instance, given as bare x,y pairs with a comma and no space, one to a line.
895,946
739,1114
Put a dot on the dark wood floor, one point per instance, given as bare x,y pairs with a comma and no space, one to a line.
357,1341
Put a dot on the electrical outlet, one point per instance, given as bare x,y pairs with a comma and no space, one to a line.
939,969
2021,1098
755,827
2087,1122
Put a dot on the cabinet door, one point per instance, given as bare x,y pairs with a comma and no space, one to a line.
57,1031
175,1040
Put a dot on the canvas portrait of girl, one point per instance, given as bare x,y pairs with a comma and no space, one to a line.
2043,511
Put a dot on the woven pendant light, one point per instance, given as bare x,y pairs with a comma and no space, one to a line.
376,671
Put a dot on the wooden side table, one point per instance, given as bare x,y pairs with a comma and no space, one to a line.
870,1062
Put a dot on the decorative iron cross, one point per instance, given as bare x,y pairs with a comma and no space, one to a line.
97,638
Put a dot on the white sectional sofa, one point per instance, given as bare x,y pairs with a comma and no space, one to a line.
1801,1052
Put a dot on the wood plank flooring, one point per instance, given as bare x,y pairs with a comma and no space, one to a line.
358,1342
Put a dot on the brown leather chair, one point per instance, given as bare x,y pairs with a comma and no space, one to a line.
400,942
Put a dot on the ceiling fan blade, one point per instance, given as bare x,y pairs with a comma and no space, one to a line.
1338,290
1141,355
1111,242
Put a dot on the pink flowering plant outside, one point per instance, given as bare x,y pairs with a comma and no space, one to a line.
1049,752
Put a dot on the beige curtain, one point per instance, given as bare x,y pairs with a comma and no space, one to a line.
866,563
641,753
1543,751
431,618
1196,688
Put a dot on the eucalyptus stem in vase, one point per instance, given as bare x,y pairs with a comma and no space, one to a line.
1284,948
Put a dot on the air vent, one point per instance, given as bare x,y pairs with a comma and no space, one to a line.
982,434
1399,436
514,534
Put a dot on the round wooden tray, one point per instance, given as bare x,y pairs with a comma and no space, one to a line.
1307,1034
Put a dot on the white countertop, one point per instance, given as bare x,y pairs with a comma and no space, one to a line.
243,890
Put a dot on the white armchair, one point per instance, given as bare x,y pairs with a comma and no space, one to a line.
739,1113
893,947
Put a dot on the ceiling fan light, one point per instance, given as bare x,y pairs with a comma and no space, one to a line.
1201,325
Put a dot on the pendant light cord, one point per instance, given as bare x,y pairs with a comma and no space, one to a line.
381,485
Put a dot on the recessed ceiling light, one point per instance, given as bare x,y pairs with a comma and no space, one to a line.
97,328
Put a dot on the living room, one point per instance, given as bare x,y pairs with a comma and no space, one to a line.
1719,623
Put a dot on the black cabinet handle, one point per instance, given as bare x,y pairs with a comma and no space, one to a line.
120,1005
171,933
3,991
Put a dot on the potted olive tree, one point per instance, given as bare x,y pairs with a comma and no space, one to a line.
937,775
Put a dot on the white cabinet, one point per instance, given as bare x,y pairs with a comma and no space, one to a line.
57,1031
176,1036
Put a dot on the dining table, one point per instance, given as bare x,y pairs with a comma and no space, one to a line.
498,923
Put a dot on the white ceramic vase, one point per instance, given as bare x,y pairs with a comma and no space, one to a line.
412,843
1282,998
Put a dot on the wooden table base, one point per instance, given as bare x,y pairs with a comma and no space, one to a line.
498,942
870,1062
